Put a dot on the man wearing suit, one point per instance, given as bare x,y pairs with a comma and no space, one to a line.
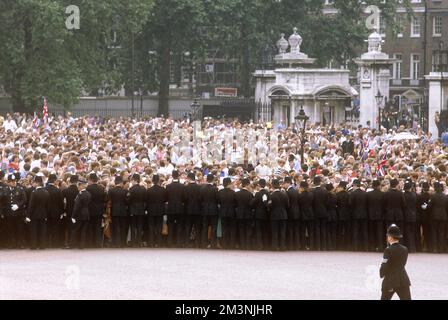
38,213
358,204
410,216
155,201
293,226
97,208
192,209
260,205
227,204
394,204
14,212
320,197
332,225
244,215
278,205
55,214
392,269
117,196
438,219
175,211
307,216
376,217
136,199
3,223
80,216
209,202
423,219
344,217
69,196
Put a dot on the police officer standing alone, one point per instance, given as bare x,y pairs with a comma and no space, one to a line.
392,269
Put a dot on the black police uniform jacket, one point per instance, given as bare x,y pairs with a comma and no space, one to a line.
70,195
39,204
393,205
117,196
209,200
3,197
332,206
358,204
56,205
423,201
15,196
97,205
279,205
243,199
343,204
306,205
320,203
156,200
81,208
136,199
393,268
410,207
294,208
175,191
260,207
192,199
375,205
227,203
438,206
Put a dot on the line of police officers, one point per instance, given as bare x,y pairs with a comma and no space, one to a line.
284,217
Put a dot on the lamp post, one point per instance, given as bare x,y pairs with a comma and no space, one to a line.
195,110
379,102
301,120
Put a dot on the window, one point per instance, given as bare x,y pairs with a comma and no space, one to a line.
415,66
416,27
382,27
400,25
397,66
437,27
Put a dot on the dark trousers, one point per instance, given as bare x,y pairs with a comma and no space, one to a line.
137,223
320,227
207,221
278,233
404,293
345,235
360,235
120,228
193,224
245,233
14,230
228,227
438,236
427,241
419,236
332,231
38,233
95,234
293,234
155,224
377,235
307,234
175,230
79,234
261,239
410,236
54,232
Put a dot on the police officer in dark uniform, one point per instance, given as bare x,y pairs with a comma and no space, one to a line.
244,215
14,213
392,269
438,219
279,205
320,214
376,217
3,204
344,217
97,209
192,209
394,205
69,194
227,204
332,226
423,218
293,226
38,213
80,217
175,211
260,206
410,216
136,199
117,196
155,200
307,232
209,202
55,215
358,204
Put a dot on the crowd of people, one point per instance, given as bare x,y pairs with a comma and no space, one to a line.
92,182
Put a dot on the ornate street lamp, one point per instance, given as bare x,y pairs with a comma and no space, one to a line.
301,120
195,110
379,102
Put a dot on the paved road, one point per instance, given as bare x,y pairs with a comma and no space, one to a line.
204,274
